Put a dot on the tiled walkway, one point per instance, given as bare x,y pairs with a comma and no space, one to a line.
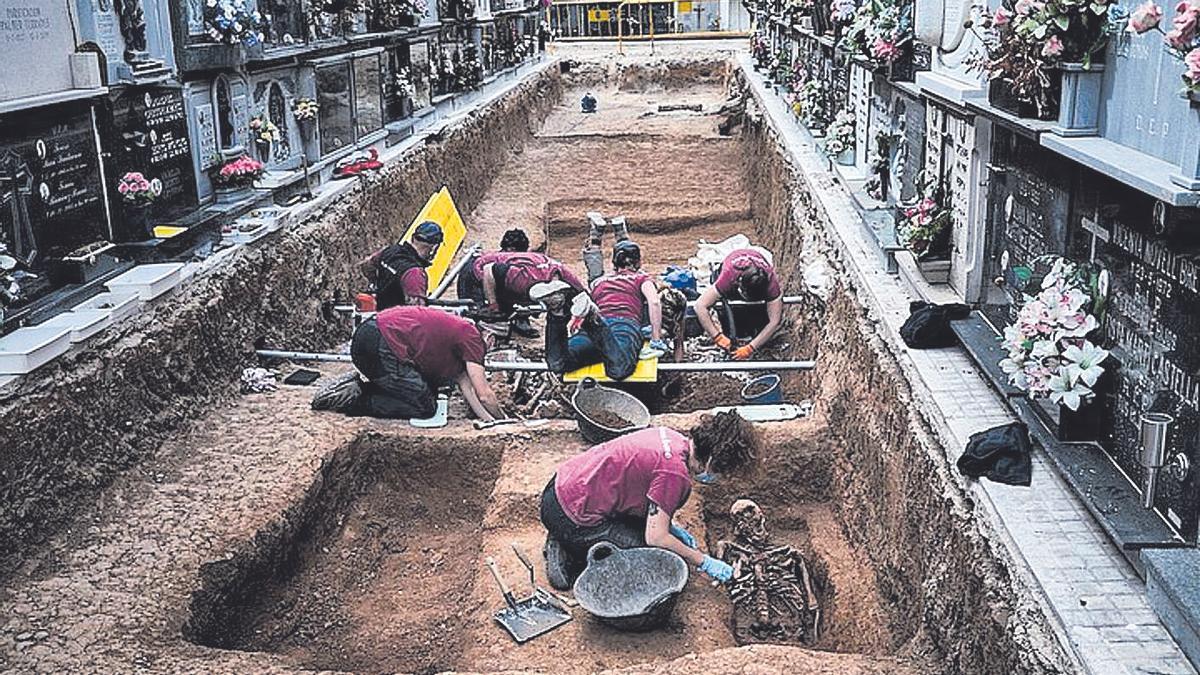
1055,545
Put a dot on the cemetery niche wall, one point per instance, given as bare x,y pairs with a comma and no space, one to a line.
1041,204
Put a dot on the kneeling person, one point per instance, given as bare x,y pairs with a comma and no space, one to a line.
626,492
745,274
405,354
607,326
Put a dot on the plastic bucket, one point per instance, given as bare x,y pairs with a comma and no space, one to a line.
763,389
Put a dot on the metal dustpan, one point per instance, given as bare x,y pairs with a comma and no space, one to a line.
529,617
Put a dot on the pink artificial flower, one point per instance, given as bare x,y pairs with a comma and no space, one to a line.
123,188
1053,46
1183,26
884,50
1024,7
1002,17
1145,18
1192,61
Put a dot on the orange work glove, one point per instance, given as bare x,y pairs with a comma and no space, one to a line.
743,353
723,342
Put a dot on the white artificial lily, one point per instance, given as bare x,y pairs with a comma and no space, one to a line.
1044,348
1063,392
1085,363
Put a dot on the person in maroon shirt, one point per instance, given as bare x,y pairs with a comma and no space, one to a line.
627,491
607,326
406,354
744,275
398,271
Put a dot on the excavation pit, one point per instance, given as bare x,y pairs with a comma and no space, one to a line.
379,565
273,538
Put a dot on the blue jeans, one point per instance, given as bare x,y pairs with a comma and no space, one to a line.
614,342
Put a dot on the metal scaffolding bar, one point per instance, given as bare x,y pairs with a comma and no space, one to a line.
540,366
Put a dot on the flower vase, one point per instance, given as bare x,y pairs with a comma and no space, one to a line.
934,271
263,150
230,193
846,157
137,220
1079,102
1188,173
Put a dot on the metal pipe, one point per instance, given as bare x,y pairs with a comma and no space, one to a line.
452,274
302,356
540,366
537,309
685,367
1156,428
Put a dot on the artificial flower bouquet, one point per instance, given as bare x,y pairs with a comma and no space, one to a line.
812,103
263,130
239,172
881,30
305,109
839,137
136,189
924,224
1049,351
404,85
1026,40
1182,40
760,50
232,22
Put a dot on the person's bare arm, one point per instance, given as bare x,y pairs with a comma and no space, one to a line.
774,319
703,307
478,392
654,305
658,534
489,286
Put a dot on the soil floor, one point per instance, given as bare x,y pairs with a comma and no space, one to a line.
387,574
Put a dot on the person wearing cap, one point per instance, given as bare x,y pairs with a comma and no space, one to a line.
604,326
405,354
398,270
744,274
627,491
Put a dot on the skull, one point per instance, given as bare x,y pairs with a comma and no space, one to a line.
749,523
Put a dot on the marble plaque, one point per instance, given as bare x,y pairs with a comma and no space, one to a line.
1141,106
36,37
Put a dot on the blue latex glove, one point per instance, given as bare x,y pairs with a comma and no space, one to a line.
717,569
683,535
660,345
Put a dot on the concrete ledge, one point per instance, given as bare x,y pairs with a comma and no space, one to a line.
1171,582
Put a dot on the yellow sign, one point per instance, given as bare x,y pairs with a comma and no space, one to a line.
599,15
441,210
684,6
646,371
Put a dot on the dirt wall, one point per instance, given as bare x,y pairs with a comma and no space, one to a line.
935,555
66,431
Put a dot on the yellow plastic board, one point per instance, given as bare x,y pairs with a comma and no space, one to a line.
684,7
441,209
646,371
166,231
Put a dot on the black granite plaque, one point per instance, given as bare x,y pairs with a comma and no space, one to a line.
147,133
51,193
1152,324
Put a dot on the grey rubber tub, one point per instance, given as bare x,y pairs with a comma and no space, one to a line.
590,399
631,589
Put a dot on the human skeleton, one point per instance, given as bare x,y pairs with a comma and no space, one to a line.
771,589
